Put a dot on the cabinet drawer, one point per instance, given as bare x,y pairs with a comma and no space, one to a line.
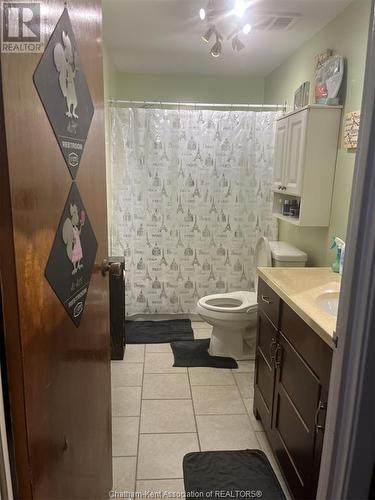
269,302
314,351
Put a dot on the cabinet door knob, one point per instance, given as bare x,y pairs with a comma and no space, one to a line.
318,427
280,187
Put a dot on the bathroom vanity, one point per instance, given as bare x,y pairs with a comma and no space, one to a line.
295,340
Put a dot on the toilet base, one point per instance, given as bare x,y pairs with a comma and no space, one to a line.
233,345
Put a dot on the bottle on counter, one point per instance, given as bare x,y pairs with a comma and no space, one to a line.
286,207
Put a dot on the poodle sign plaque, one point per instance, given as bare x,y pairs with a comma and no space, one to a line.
63,90
72,257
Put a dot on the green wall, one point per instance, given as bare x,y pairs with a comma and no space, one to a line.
346,35
175,88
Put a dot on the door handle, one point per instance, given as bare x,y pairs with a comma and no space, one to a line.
105,267
318,427
266,299
112,267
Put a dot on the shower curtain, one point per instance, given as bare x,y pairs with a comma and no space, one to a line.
190,194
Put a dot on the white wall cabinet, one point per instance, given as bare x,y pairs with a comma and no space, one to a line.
305,160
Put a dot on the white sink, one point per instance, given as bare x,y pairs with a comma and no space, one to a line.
329,302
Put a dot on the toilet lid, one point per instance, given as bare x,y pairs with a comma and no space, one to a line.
263,256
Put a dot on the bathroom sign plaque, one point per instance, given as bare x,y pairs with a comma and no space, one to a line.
72,257
63,90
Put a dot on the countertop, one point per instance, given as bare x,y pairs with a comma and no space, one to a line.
299,287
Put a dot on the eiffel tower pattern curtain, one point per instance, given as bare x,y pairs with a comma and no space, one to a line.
190,195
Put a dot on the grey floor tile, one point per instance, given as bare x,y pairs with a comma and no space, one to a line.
245,366
255,424
226,432
167,487
160,455
167,415
210,376
245,382
126,401
199,325
134,353
126,374
219,400
202,333
158,348
161,362
125,436
166,386
124,474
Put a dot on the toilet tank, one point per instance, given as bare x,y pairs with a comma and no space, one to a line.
286,255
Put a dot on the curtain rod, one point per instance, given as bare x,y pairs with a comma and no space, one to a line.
145,104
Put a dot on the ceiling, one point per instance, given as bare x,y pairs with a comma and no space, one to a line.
164,36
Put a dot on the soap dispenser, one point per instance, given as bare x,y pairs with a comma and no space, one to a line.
339,245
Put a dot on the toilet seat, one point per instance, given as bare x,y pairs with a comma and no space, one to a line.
229,302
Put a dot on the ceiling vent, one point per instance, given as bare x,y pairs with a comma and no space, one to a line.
275,22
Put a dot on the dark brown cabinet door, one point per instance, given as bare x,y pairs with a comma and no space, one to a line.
296,401
264,369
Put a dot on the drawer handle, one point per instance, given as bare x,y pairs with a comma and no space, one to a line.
266,299
278,355
273,344
318,427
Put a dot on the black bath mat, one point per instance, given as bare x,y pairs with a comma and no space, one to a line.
158,332
230,474
194,354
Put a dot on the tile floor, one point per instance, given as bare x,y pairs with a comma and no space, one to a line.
160,413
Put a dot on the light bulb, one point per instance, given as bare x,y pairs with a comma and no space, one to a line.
216,49
246,29
240,8
202,14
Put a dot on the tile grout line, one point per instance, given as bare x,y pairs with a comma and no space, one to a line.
140,416
247,413
192,402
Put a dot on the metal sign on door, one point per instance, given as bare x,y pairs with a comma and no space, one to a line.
63,90
72,257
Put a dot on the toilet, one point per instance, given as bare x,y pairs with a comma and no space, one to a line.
233,316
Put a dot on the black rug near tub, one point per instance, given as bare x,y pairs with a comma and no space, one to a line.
230,474
195,354
158,332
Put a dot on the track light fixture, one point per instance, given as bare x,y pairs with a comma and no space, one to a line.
215,15
246,29
206,37
237,44
216,48
240,7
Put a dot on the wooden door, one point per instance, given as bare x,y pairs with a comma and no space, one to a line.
295,153
59,375
296,400
281,140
